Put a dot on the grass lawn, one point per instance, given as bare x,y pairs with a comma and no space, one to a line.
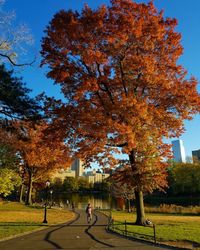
169,228
16,218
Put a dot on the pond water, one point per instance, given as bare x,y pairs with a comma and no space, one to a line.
97,200
105,201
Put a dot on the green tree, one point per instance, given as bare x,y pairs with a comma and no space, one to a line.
8,157
70,184
14,97
185,178
9,180
83,184
9,164
57,184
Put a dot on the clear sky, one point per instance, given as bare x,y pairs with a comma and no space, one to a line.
37,14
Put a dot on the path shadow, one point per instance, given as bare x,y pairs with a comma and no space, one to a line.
87,231
48,235
92,236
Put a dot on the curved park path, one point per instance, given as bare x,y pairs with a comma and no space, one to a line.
75,235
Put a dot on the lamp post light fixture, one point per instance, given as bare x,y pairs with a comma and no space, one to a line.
51,192
46,199
25,196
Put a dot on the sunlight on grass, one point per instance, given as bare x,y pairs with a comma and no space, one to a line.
168,227
13,228
16,218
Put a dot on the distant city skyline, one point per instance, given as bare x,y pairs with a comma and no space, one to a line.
178,151
196,155
76,170
37,14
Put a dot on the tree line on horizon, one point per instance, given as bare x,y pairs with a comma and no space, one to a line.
124,92
183,179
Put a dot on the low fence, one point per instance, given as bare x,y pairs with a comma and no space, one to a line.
122,228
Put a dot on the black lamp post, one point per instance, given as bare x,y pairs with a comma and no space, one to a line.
110,201
46,199
110,194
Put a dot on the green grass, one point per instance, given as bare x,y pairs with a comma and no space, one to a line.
179,228
11,228
16,218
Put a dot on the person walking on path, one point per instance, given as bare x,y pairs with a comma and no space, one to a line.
89,212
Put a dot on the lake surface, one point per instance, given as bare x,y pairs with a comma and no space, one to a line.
97,200
105,201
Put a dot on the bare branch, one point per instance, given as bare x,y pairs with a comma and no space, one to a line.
17,64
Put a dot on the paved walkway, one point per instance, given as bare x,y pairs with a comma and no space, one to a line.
75,235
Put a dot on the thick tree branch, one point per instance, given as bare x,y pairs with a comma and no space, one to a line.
122,77
117,145
102,103
105,89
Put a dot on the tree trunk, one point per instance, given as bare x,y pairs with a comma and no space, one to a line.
30,186
21,193
140,219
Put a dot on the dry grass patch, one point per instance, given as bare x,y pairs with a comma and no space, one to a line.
174,209
53,215
17,218
16,212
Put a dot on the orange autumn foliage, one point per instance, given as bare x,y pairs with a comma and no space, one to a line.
40,156
118,70
39,152
117,67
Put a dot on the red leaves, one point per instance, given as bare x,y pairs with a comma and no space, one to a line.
118,67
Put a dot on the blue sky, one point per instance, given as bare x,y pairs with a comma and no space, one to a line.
37,14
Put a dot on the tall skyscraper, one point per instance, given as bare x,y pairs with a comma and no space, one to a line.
196,155
178,151
77,166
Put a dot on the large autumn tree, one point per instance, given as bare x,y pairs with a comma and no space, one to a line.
118,69
40,155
